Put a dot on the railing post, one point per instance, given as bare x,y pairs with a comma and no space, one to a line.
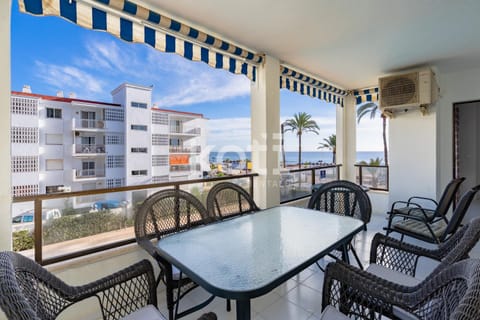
360,175
338,172
313,177
251,186
37,216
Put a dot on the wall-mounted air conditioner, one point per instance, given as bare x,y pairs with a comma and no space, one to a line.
401,92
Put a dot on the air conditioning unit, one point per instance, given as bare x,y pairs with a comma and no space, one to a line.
401,92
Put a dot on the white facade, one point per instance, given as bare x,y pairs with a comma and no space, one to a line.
68,144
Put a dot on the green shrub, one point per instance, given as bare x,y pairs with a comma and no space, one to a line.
22,240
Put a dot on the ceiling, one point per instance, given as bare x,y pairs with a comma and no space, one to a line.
349,43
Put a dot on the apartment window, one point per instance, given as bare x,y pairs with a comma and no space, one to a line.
139,150
139,127
139,172
159,160
139,105
54,113
53,164
114,114
115,182
160,179
114,140
116,161
54,189
24,135
56,139
25,190
24,163
26,106
159,118
160,140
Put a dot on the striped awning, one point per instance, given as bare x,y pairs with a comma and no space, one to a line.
303,84
366,95
131,22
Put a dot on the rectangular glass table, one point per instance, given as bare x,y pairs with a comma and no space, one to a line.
248,256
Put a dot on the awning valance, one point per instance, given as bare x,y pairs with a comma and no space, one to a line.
366,95
131,22
303,84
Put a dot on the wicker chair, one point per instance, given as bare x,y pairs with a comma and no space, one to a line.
440,208
227,199
453,293
30,292
434,231
164,213
343,198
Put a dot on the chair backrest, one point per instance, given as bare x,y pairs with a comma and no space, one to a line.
227,199
448,196
27,291
344,198
168,211
454,293
460,211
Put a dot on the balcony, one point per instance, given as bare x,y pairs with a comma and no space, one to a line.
89,149
88,125
179,130
373,177
86,174
182,149
185,168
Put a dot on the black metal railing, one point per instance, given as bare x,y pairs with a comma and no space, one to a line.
70,236
373,177
298,183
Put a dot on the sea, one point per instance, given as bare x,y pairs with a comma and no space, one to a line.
292,157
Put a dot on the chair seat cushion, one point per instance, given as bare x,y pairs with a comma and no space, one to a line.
392,275
417,212
420,228
330,313
146,313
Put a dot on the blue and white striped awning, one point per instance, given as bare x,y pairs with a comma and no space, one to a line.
131,22
366,95
303,84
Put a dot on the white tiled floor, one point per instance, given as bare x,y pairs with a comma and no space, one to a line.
300,298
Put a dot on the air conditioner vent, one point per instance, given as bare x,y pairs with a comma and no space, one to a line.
400,91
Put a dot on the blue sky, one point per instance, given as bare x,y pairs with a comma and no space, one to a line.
51,54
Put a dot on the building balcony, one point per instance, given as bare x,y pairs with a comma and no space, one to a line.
185,168
85,174
182,131
182,149
89,149
88,125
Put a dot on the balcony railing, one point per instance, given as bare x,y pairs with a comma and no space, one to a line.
89,173
89,148
297,184
374,177
79,232
180,129
183,168
182,149
88,124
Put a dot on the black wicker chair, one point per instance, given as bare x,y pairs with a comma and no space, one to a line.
343,198
30,292
227,199
439,209
164,213
434,231
453,293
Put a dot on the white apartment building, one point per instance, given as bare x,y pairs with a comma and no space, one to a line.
67,144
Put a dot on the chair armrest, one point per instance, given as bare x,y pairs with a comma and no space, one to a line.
400,256
123,292
357,292
423,198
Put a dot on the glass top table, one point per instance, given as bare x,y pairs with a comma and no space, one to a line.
248,256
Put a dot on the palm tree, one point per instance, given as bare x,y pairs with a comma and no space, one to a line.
372,109
300,123
331,144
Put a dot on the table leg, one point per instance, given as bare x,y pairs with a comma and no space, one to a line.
243,309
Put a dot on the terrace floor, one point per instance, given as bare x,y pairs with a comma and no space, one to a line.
300,298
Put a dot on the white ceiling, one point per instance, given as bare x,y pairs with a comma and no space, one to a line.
346,42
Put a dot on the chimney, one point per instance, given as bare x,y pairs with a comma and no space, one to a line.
72,95
26,89
60,93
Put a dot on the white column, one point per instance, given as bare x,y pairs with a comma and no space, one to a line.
5,199
265,131
347,138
